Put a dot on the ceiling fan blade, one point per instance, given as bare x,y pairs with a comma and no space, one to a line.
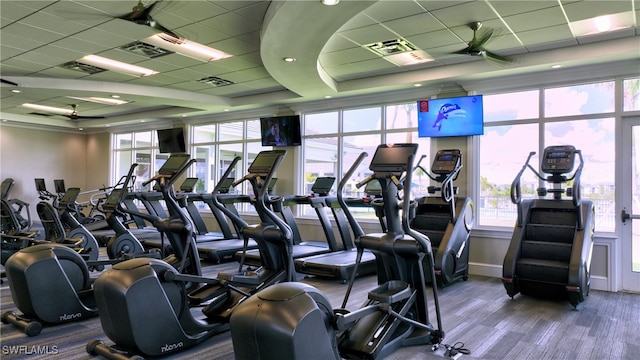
41,114
142,16
78,117
465,51
154,24
481,38
8,82
495,57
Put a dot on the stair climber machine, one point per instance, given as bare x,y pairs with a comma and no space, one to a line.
446,220
295,320
40,273
147,307
550,251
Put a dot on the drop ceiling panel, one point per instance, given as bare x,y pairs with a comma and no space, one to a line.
337,43
458,15
202,34
369,34
507,8
382,12
589,9
347,56
231,23
235,47
547,34
195,14
413,25
536,19
55,24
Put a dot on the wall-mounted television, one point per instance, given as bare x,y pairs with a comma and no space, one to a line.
456,116
171,140
280,130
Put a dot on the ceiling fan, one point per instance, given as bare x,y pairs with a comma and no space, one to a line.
73,115
141,15
475,47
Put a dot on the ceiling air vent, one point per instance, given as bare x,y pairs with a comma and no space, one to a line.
144,49
215,81
391,47
85,68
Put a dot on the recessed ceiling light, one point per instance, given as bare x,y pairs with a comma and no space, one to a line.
16,91
226,109
289,59
556,66
327,96
417,85
115,96
330,2
80,129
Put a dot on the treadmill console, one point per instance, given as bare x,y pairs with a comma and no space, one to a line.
392,157
189,184
446,161
558,159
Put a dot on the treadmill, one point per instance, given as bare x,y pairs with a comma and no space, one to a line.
316,200
340,265
224,249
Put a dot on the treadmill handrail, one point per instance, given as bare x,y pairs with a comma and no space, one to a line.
235,218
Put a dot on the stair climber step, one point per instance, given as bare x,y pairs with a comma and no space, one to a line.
430,222
548,271
546,250
550,233
553,216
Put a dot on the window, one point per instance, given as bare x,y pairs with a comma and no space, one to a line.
631,94
514,128
225,141
141,148
331,152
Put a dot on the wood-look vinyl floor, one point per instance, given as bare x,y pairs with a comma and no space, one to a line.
476,313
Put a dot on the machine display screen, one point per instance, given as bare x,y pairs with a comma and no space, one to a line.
392,158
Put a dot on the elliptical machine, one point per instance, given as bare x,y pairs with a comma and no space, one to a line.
295,321
39,273
145,304
447,220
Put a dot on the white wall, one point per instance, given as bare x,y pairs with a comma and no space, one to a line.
80,160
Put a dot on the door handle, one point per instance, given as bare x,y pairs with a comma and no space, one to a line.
624,215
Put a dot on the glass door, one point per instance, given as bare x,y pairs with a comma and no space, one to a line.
631,205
